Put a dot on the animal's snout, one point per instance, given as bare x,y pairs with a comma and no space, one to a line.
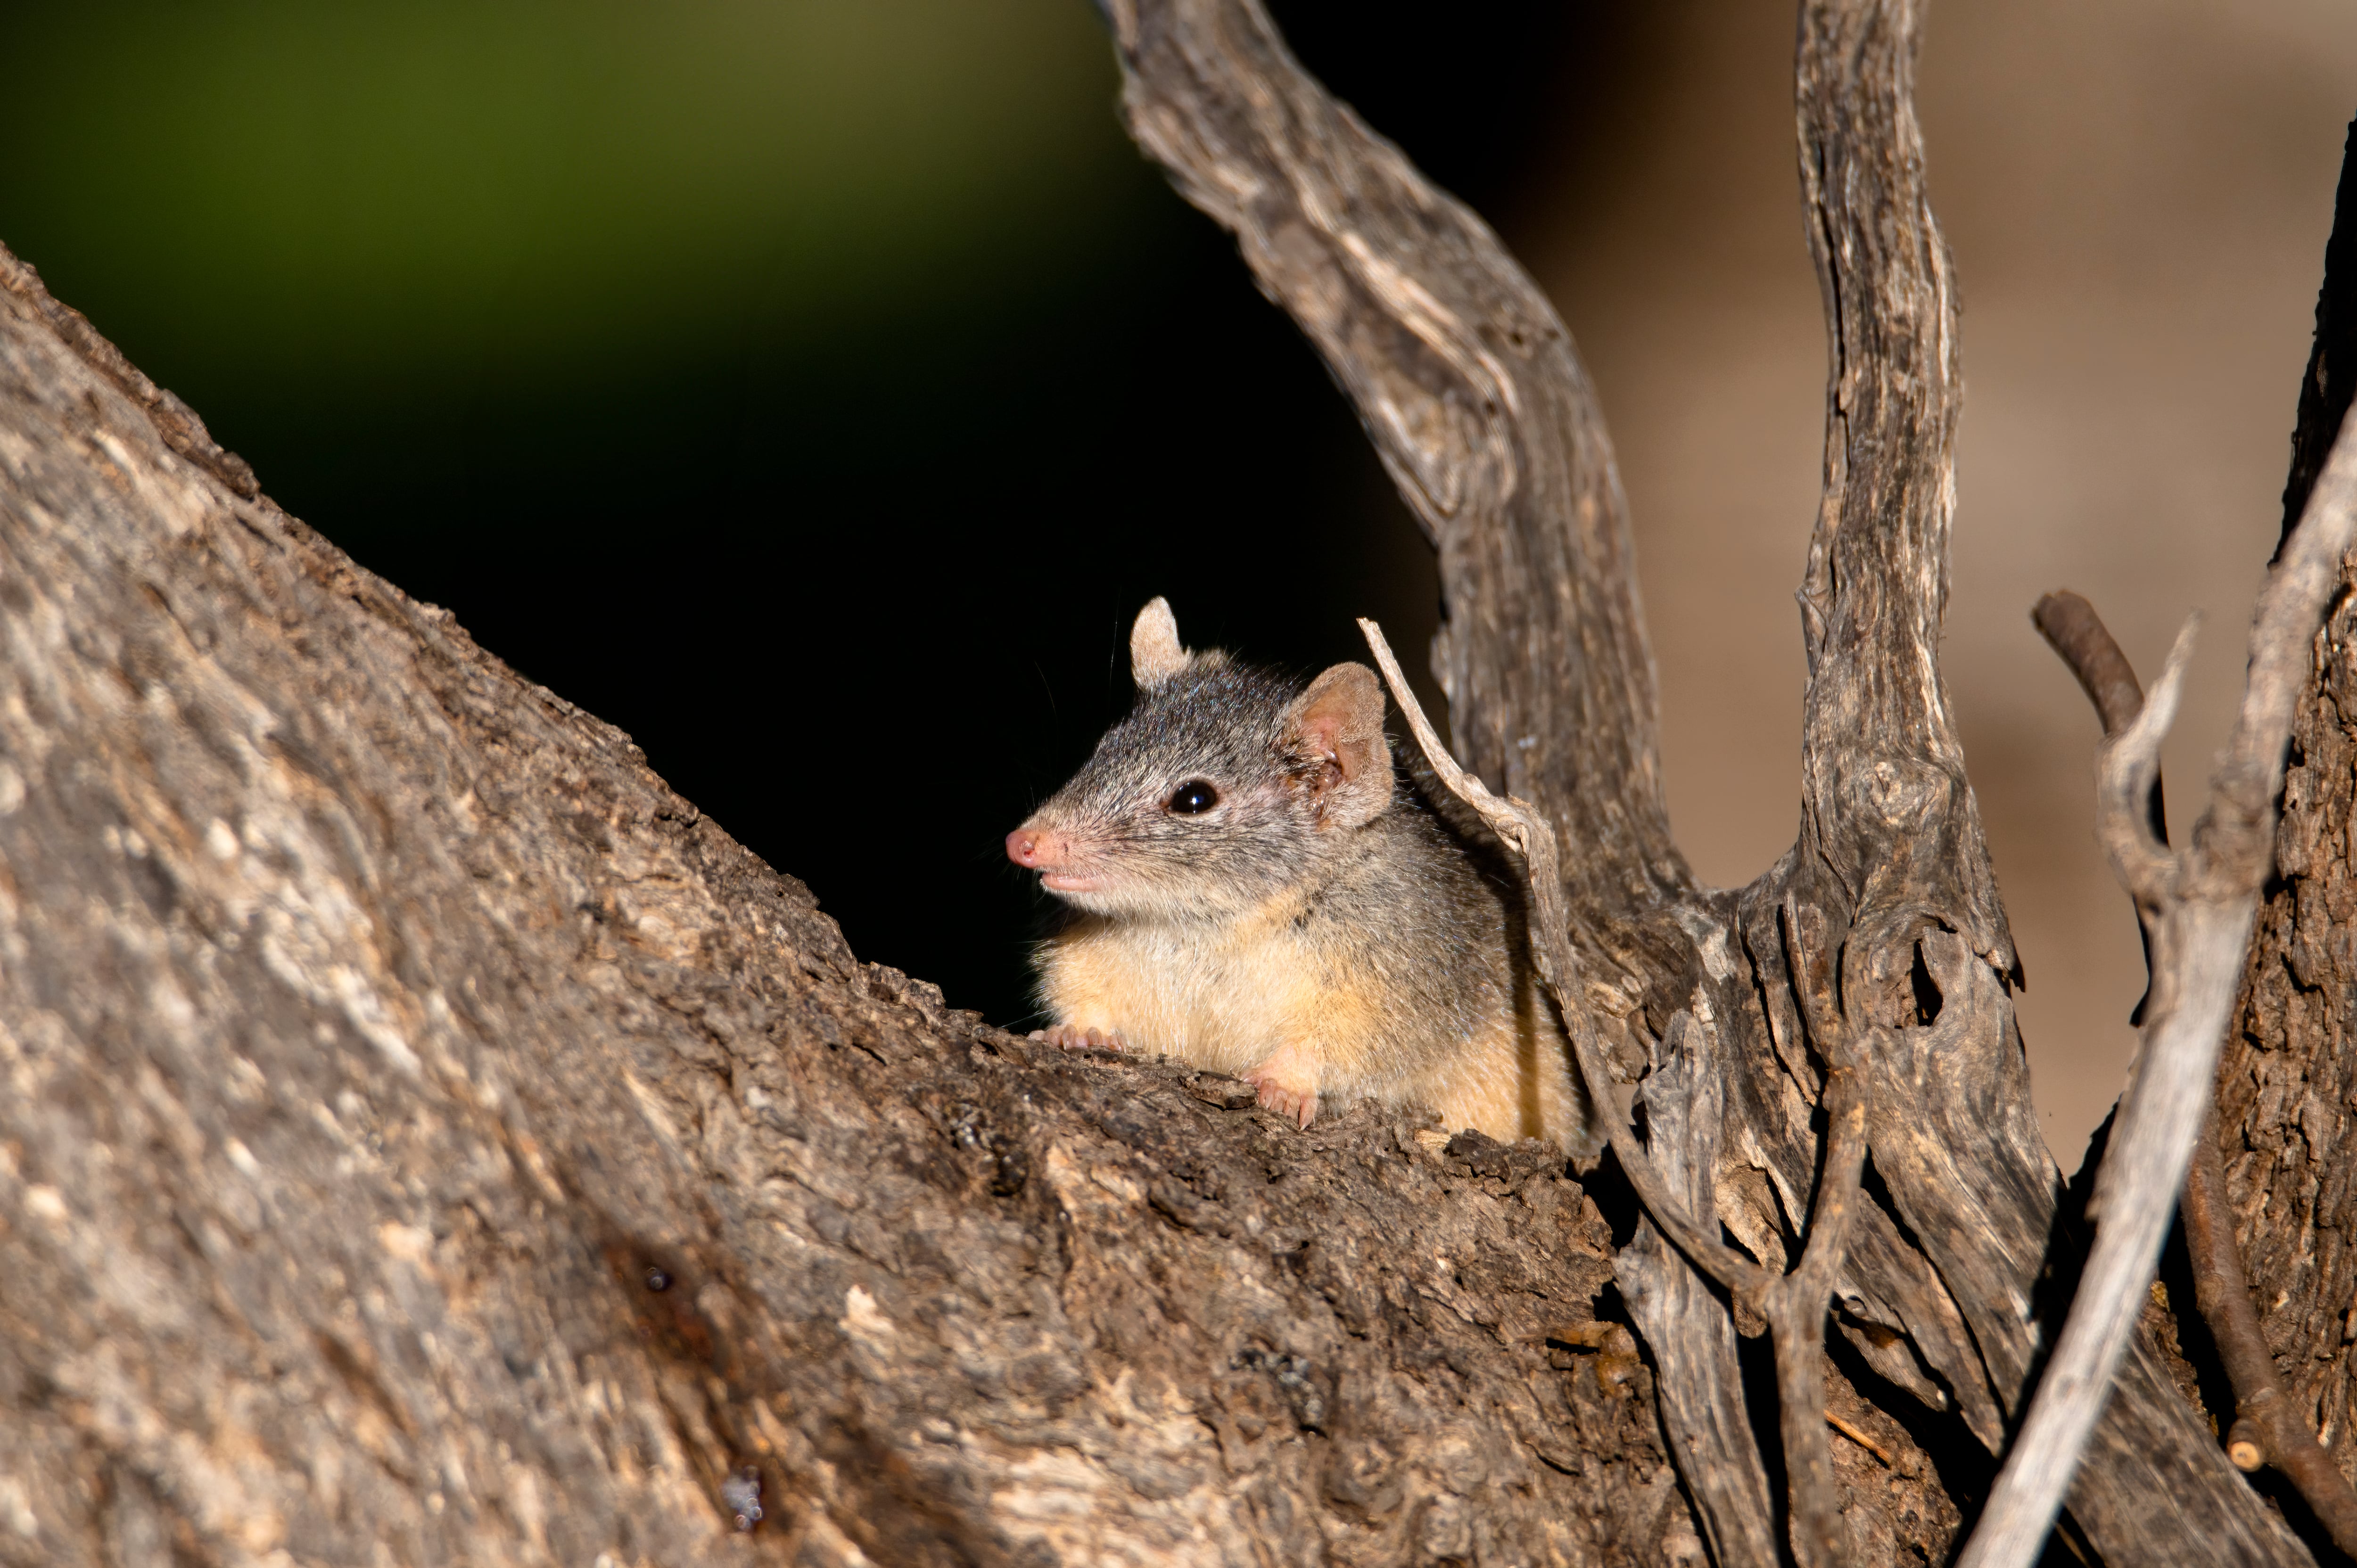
1039,849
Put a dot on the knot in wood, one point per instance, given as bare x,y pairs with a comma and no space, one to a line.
1903,791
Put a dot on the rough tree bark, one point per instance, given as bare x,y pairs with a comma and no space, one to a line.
427,1138
379,1032
2287,1075
1884,913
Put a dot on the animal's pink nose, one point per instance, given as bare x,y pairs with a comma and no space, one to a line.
1035,848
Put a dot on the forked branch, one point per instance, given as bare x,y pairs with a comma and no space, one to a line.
2266,1430
1469,390
1794,1305
2199,903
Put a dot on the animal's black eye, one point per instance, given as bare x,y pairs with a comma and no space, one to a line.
1193,796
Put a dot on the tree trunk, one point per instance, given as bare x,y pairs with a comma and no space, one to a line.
2289,1073
427,1139
2287,1076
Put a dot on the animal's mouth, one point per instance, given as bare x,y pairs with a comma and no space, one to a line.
1070,882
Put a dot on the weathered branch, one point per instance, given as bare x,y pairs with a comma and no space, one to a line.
1796,1305
2199,903
1475,399
2077,634
2072,627
2287,1085
1891,851
1886,809
1728,1483
2266,1430
1527,833
1489,428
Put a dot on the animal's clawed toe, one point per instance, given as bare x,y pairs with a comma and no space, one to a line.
1297,1105
1065,1037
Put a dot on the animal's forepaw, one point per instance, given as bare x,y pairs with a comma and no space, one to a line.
1286,1098
1065,1037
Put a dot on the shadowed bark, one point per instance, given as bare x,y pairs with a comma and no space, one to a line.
2287,1073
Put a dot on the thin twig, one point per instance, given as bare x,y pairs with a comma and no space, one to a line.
2128,766
1532,839
1861,1439
2073,629
2071,624
2266,1430
2202,904
1795,1305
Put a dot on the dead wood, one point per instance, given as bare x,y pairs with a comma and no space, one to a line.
2198,905
1470,391
425,1133
2266,1430
2269,1428
2287,1071
1795,1304
1459,370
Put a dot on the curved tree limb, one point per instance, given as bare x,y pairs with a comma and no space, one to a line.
2268,1428
1891,853
1470,389
1795,1306
2072,627
2077,634
2200,904
1885,804
1474,397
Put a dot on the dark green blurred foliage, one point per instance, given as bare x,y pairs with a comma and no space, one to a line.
389,197
812,389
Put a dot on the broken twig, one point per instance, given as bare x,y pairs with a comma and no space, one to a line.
1532,841
2266,1430
2200,904
1795,1304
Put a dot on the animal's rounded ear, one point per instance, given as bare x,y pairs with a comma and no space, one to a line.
1338,723
1155,654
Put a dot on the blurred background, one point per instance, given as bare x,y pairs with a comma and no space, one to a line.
815,389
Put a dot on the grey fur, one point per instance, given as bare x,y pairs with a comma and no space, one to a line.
1407,911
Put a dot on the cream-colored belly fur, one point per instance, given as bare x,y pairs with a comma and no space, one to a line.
1230,997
